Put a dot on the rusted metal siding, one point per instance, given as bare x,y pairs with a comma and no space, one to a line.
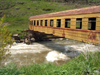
97,23
89,36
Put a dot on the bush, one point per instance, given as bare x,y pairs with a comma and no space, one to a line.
5,39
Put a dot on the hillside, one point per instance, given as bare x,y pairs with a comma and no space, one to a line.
17,12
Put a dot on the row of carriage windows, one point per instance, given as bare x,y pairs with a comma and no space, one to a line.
91,23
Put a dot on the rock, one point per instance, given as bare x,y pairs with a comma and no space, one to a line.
17,41
20,2
17,8
60,38
47,9
16,37
67,39
32,39
28,7
1,13
5,24
27,41
21,40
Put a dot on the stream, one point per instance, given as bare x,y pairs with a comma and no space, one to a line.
56,51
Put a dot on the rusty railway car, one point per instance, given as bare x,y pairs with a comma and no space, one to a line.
78,24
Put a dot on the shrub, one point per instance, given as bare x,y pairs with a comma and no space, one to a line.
5,39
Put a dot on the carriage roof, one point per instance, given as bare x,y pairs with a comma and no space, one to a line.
93,9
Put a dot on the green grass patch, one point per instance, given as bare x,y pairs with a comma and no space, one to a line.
6,4
84,64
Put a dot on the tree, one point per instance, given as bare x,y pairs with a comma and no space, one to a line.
5,39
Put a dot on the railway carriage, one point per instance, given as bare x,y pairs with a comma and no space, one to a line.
78,24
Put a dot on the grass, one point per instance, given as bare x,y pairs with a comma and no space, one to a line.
84,64
17,14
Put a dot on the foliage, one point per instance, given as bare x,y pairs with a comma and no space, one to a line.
5,39
76,66
23,35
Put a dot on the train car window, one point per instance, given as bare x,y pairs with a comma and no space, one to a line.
34,22
41,23
67,23
45,22
31,22
58,22
92,24
79,23
51,23
37,22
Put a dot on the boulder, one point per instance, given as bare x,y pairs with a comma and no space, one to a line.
28,8
17,8
1,13
27,41
21,40
20,2
47,9
32,39
60,38
16,37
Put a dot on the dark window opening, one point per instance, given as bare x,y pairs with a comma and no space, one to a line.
41,23
37,22
34,22
92,24
51,23
31,22
58,22
45,22
79,23
67,23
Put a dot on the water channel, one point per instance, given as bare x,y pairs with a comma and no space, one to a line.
56,51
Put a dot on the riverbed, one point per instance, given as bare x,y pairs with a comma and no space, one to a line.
56,51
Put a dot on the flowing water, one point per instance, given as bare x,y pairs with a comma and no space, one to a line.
58,52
